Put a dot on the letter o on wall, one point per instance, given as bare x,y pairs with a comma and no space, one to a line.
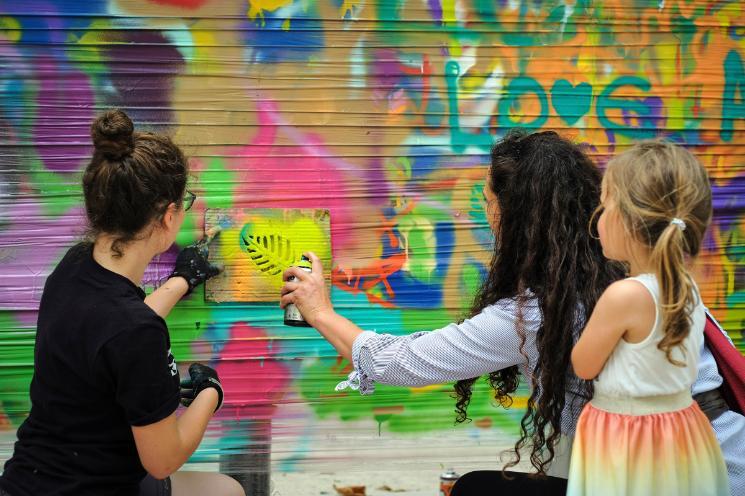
515,90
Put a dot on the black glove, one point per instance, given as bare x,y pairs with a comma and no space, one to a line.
192,264
202,377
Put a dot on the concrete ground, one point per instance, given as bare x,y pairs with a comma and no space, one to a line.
423,482
356,454
404,470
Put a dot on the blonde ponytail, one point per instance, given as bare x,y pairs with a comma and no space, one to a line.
677,295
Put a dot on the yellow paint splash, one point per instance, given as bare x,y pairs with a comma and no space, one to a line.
304,235
205,42
256,8
349,6
10,29
448,12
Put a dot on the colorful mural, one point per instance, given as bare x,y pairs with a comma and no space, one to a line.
379,111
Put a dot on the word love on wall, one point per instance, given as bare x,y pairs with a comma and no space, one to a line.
625,106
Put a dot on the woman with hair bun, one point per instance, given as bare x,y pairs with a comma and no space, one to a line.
106,386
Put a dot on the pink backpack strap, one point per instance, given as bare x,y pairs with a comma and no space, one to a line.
730,362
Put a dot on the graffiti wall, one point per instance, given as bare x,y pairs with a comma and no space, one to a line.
381,112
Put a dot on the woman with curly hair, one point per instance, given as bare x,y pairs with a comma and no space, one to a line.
546,274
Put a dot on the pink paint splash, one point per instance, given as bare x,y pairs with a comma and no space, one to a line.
187,4
252,380
297,176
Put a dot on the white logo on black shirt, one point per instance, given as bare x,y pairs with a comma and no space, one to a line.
172,363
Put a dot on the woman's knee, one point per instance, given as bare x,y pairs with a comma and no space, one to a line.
201,483
233,487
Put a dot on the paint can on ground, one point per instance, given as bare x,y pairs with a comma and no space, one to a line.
293,317
447,481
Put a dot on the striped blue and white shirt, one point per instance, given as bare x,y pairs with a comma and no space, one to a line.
485,343
729,426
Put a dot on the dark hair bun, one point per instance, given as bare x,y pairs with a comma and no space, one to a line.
112,134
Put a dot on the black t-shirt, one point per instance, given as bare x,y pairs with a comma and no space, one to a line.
102,364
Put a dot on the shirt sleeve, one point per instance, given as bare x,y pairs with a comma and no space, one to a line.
707,378
146,384
484,343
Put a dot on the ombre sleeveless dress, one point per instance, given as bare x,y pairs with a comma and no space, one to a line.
642,433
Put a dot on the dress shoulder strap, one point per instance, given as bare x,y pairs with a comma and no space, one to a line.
649,281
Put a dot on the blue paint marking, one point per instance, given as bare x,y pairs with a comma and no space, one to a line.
270,42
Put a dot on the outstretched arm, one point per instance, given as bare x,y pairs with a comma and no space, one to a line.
485,343
163,299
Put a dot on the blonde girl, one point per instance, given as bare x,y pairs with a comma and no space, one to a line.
642,433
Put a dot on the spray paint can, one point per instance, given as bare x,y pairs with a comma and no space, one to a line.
447,481
293,317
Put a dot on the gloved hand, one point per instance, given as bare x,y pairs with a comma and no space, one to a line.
202,377
192,263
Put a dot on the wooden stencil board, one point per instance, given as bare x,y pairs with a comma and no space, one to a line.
256,245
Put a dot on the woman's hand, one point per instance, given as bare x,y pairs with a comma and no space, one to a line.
307,291
201,377
192,268
192,263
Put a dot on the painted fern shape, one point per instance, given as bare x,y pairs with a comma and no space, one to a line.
272,253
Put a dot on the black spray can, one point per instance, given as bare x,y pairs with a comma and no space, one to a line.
293,317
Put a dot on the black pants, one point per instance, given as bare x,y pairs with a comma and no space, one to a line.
492,482
148,487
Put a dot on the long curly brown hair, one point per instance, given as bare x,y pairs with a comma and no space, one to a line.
547,190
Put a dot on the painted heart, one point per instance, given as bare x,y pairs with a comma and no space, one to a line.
571,102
